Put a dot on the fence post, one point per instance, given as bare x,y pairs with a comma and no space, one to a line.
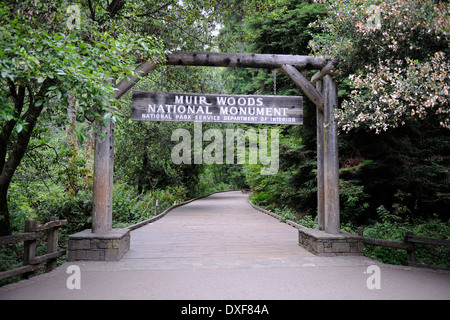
29,247
410,255
361,231
52,245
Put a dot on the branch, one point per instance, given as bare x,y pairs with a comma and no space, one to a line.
12,88
48,146
154,11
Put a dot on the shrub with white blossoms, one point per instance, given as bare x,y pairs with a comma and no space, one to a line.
398,68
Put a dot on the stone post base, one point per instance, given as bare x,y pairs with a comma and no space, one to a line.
325,244
110,246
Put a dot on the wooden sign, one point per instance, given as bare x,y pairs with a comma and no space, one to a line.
194,107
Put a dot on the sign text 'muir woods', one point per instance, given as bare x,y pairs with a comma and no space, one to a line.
191,107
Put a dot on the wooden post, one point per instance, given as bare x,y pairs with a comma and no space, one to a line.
103,180
29,247
320,165
331,159
52,245
410,254
361,231
104,159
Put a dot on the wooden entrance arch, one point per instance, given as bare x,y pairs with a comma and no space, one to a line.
321,90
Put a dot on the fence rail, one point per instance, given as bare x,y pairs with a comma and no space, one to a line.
33,232
408,245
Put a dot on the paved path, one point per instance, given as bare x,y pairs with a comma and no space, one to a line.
221,248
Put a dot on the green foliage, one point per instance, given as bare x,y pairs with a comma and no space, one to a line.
391,227
40,53
77,211
309,222
353,201
130,208
286,31
11,257
263,198
388,231
215,177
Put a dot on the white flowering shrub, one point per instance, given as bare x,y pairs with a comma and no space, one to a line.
395,54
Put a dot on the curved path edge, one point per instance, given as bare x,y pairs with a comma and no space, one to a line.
162,214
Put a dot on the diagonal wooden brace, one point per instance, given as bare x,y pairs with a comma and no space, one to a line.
126,84
325,70
300,81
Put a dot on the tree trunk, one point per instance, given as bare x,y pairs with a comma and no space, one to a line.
5,224
9,166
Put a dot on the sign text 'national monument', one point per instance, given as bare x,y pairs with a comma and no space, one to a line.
194,107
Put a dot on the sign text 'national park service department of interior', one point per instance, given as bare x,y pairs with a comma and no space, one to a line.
193,107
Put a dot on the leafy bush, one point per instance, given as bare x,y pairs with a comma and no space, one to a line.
353,201
309,221
285,214
262,198
386,230
77,211
130,207
11,257
392,228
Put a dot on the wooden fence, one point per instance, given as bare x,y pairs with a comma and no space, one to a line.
32,233
408,245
